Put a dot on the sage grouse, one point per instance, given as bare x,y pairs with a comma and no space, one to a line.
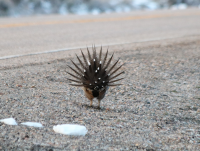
95,74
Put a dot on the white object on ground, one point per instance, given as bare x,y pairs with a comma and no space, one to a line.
34,124
70,129
9,121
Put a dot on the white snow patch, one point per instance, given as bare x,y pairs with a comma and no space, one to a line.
148,4
34,124
179,6
95,11
70,129
81,9
9,121
63,9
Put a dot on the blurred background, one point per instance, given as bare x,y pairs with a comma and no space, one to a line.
17,8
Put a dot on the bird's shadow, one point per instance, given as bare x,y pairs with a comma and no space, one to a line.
102,109
90,107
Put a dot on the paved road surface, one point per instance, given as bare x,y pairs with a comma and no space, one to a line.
30,35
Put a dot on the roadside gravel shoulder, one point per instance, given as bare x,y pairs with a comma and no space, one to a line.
157,107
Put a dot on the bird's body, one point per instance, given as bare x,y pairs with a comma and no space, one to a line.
95,74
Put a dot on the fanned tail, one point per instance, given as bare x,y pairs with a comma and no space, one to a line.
94,71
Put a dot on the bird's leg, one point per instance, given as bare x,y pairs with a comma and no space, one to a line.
99,101
91,102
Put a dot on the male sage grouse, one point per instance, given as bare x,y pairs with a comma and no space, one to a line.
95,74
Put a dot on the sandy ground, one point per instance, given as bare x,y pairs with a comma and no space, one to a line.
156,108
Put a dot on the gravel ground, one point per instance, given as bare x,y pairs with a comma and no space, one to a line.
157,108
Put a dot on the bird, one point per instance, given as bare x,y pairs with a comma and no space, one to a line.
95,74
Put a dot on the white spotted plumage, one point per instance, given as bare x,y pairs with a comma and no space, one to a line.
95,72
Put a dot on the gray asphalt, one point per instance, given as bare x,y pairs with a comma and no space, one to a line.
39,34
